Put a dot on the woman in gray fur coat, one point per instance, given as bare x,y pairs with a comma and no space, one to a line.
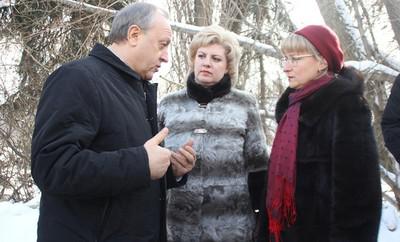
225,126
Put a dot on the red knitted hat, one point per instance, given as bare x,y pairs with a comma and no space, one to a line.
326,42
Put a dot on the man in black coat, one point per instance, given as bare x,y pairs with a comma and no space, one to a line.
391,121
102,175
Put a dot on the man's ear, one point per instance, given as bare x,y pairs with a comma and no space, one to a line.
133,34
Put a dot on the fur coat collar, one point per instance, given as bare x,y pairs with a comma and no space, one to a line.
318,103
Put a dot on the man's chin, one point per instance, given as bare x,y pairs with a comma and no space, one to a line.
148,77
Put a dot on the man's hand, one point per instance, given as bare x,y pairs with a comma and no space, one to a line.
184,159
159,157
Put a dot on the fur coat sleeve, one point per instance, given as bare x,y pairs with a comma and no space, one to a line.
391,121
356,204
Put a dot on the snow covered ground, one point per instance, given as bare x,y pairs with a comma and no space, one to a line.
18,222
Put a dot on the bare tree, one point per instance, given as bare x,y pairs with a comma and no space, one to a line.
203,10
333,17
48,35
393,10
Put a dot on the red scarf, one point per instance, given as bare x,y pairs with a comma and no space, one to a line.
282,166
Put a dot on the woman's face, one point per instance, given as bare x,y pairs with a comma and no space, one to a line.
301,68
210,64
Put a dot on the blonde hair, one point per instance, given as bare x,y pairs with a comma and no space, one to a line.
298,43
215,34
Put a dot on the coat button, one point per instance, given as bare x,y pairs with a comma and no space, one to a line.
200,131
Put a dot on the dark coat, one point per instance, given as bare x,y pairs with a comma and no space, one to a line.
338,192
391,121
88,157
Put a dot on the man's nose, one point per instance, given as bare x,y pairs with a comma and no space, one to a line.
164,56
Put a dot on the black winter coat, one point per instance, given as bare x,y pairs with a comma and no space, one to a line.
88,157
391,121
338,192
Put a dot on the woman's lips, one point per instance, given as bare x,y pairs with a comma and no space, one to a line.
206,72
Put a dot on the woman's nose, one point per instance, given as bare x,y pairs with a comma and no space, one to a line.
206,62
287,66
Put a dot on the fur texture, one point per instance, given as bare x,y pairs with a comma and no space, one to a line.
390,121
214,205
338,194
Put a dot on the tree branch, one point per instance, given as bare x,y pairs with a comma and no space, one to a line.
180,27
392,184
86,7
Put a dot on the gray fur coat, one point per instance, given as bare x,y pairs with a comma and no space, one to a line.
228,137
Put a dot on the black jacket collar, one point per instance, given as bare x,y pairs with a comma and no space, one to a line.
146,90
205,95
322,100
103,53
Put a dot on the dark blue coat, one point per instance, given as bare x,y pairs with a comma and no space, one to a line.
391,121
88,157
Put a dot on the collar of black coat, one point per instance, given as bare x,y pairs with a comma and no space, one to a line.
348,81
204,95
142,86
104,54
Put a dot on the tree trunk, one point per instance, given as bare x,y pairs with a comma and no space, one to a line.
232,14
335,20
393,10
203,12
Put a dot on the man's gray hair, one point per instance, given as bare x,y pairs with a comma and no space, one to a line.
140,14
